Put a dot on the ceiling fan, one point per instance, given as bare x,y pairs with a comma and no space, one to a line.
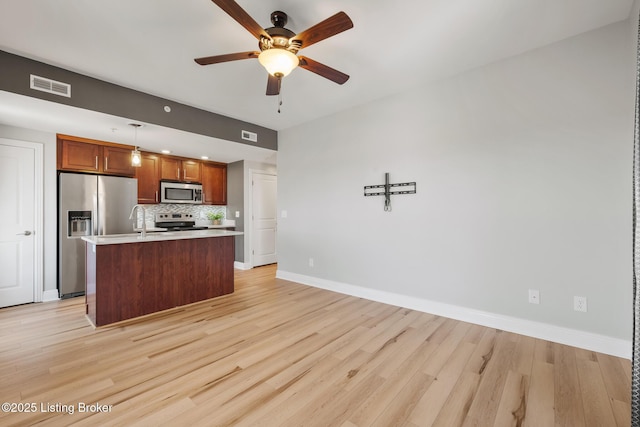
279,46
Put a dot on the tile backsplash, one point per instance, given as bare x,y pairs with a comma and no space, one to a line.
198,211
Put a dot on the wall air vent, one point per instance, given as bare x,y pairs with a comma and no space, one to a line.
250,136
50,86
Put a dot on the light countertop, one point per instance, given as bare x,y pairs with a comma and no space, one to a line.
118,239
226,224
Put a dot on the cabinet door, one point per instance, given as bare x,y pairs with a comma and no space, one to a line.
80,156
117,161
170,168
191,171
214,184
148,175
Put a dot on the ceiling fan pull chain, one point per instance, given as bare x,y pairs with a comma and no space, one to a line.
279,93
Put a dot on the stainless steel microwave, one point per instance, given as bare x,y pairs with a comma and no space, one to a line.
178,192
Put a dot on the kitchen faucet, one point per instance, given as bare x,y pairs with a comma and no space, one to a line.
144,219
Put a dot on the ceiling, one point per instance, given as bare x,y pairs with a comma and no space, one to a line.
149,45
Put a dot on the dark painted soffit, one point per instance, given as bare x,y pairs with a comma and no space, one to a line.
97,95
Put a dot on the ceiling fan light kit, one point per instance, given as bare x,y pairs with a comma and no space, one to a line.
279,45
278,62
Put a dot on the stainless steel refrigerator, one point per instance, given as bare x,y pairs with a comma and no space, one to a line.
89,205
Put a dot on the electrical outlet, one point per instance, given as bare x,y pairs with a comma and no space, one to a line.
534,296
310,262
580,303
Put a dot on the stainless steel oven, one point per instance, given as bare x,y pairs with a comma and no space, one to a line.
178,192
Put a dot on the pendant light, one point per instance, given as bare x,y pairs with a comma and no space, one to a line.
136,156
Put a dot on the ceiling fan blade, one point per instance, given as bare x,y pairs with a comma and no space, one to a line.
242,17
207,60
323,70
273,85
329,27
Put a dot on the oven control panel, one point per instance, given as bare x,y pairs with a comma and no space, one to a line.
170,217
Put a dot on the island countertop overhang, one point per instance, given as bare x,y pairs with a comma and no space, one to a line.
118,239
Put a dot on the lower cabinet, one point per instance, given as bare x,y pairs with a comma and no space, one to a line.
124,281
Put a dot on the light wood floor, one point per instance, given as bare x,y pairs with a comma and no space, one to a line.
277,353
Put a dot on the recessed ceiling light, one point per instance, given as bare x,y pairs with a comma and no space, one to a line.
204,157
166,152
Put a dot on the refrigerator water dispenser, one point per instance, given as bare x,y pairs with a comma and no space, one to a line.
79,224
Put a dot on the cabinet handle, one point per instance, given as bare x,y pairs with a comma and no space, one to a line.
96,162
178,173
106,163
156,196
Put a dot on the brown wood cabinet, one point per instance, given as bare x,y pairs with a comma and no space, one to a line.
79,156
124,281
214,183
148,175
88,155
117,161
191,171
179,169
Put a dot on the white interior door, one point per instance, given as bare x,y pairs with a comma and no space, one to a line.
263,232
17,228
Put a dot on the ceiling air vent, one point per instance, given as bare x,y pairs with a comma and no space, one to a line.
50,86
250,136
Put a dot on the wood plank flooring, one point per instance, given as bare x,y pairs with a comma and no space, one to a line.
277,353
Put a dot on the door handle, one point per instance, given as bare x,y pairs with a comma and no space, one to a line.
26,233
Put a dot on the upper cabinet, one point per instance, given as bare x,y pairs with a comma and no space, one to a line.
178,169
214,183
212,176
191,171
79,156
148,175
86,155
117,161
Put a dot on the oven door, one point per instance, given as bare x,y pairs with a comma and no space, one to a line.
175,192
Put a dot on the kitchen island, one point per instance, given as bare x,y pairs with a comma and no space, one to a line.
129,276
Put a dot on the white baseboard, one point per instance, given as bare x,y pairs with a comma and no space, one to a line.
573,337
241,265
50,295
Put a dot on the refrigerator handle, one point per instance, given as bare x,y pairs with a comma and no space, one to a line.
94,214
98,218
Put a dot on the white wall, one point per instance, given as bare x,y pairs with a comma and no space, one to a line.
523,172
48,140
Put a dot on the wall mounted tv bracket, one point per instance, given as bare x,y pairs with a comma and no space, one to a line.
387,190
